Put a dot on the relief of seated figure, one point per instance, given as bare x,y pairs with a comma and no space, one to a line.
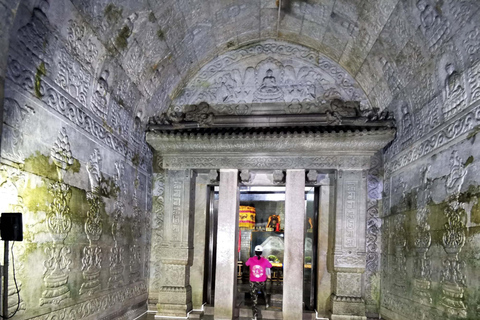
454,92
268,91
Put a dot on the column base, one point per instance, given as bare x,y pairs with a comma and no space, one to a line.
348,308
174,301
172,310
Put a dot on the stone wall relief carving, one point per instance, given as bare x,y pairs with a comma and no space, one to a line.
16,118
453,240
116,258
276,78
59,223
80,42
72,77
433,25
474,82
457,174
135,250
455,93
92,254
101,95
453,274
400,243
35,40
373,225
158,234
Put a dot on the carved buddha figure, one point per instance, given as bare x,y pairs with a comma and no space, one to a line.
454,92
432,23
268,91
99,99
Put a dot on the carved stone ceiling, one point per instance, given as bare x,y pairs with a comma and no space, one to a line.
394,50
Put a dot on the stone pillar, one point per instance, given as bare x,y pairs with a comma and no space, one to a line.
324,247
197,269
176,251
227,241
349,253
294,245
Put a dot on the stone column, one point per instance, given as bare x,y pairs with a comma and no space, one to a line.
294,245
227,241
324,247
349,252
176,251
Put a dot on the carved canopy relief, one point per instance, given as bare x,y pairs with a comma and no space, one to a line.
267,72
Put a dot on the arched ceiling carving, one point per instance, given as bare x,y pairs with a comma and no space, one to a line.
277,72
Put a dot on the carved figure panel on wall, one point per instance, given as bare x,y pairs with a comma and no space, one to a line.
269,72
59,223
16,118
434,26
455,94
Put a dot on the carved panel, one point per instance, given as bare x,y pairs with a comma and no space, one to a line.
320,162
72,77
348,284
434,26
78,115
16,118
243,76
446,133
350,214
80,42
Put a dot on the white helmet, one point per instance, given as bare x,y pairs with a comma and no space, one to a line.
258,248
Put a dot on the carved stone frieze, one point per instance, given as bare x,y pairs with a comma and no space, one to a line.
77,114
306,143
280,162
271,71
110,301
446,133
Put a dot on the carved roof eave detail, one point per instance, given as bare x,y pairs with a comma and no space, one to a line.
345,143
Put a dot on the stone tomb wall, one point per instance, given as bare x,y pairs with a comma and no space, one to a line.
75,163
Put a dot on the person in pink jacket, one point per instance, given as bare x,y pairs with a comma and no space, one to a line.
258,276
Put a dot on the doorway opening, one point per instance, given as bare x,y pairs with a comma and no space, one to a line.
261,222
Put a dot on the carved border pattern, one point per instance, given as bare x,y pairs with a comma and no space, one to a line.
445,134
279,162
69,108
356,141
97,304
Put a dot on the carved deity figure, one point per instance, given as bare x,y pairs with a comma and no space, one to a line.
99,99
268,91
434,27
457,174
454,92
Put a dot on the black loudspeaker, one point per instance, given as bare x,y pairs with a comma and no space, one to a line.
11,227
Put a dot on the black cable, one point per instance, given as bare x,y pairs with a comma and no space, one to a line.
16,286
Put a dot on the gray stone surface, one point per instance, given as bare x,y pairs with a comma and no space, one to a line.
294,245
227,239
